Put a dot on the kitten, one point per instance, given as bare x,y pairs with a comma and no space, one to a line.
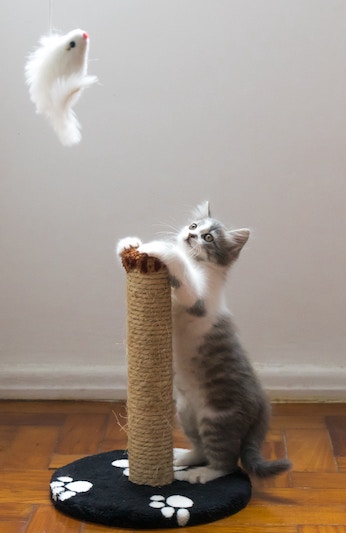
221,405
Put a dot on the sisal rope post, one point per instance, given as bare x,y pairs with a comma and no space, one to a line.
150,374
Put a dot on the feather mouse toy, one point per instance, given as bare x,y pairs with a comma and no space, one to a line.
56,73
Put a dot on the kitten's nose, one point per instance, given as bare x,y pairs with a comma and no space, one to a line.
192,236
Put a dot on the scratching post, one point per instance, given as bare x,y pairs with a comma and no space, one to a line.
149,351
135,488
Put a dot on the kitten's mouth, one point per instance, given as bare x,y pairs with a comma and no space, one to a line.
192,244
190,241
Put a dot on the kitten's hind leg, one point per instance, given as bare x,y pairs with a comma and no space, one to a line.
220,442
192,457
189,424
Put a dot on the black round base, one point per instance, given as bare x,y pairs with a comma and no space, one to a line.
97,489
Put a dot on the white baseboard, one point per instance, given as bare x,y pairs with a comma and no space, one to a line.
49,382
300,382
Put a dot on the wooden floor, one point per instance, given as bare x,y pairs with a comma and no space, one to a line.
37,437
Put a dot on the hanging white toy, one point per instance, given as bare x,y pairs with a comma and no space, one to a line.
56,73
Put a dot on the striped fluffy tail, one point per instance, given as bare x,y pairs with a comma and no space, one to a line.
255,465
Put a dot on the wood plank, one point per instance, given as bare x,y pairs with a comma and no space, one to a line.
299,497
7,434
115,437
290,515
322,529
23,486
31,419
82,433
341,462
110,445
281,481
12,527
15,511
310,450
274,445
322,480
296,422
32,446
337,430
58,406
46,519
117,423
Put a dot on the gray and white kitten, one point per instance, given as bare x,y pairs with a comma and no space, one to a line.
221,405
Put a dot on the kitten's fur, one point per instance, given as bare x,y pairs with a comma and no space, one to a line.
221,405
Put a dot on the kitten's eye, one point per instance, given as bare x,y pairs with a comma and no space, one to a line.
193,226
208,237
72,44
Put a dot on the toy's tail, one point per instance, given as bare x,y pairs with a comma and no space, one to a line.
65,93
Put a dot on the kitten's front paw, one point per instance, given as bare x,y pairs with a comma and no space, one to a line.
158,249
127,242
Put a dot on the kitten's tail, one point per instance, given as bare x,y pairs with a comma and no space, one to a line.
250,455
255,465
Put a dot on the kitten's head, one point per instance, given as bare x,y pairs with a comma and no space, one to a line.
206,239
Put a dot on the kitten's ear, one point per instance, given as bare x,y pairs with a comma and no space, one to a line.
238,238
202,211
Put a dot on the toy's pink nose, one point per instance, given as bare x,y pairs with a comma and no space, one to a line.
85,35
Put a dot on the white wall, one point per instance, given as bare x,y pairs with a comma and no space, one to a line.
239,102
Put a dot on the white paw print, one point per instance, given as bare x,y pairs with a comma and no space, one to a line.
122,463
171,504
65,488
